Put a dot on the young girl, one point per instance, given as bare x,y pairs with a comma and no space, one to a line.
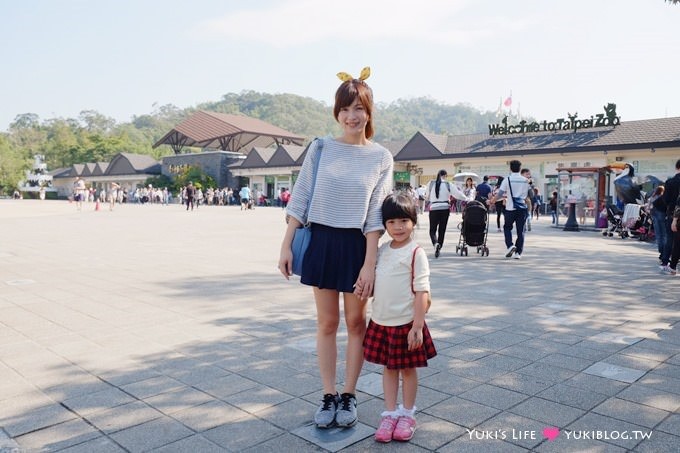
397,336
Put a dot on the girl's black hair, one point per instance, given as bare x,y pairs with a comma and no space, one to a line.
442,174
399,205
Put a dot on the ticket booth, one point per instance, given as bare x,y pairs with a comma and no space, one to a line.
587,188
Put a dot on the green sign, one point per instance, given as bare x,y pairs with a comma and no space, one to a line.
269,179
402,176
608,118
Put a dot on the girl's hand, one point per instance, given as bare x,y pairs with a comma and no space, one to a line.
415,338
363,287
286,263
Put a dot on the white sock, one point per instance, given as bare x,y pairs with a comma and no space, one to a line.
393,414
407,412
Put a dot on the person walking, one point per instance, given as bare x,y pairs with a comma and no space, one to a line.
499,203
439,196
515,209
397,336
342,253
670,196
189,194
657,209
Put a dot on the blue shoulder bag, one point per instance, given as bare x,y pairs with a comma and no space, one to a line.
303,234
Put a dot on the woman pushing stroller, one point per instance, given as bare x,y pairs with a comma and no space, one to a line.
439,194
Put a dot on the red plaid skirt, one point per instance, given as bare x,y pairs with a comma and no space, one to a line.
388,346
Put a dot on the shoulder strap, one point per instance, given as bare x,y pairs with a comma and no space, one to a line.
319,147
413,269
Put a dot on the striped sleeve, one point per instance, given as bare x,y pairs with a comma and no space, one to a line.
302,191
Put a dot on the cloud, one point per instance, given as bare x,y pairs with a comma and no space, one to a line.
298,22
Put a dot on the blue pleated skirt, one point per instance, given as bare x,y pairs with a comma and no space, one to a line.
334,258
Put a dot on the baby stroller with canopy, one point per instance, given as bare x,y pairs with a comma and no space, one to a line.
614,217
474,229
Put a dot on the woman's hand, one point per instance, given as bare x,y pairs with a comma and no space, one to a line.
286,263
415,338
674,225
363,287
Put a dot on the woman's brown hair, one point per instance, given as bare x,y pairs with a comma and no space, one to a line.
348,92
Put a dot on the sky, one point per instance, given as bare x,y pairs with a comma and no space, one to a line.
126,58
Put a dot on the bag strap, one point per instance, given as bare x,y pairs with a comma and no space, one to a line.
319,147
413,270
510,186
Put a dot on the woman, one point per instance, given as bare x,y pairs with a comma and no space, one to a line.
341,257
470,191
499,204
439,194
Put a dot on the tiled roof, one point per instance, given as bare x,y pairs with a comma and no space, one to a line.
663,132
226,132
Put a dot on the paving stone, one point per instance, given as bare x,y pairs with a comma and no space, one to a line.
462,412
619,373
572,396
596,384
631,412
289,415
35,419
548,412
98,401
521,383
99,445
566,361
226,386
651,397
192,444
152,387
546,372
661,382
496,397
448,383
178,400
58,436
150,435
242,434
504,362
257,398
370,383
209,415
671,425
466,445
123,417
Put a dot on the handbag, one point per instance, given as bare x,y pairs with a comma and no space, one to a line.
413,276
303,234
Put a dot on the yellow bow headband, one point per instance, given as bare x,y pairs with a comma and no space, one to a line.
365,74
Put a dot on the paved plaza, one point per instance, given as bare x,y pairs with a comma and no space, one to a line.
149,328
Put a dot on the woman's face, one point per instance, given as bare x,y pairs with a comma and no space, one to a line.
353,119
468,182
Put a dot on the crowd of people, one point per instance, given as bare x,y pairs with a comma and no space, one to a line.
664,205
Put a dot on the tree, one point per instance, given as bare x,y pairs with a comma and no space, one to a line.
12,166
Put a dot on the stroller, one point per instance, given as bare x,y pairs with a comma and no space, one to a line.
614,216
474,229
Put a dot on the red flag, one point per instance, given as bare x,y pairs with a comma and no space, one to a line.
508,101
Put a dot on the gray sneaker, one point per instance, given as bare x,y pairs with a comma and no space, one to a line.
346,415
325,414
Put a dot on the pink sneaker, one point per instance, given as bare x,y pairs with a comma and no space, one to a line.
386,428
406,427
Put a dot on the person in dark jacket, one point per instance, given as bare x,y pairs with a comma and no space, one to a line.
670,196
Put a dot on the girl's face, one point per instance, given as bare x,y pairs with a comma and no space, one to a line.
399,229
353,119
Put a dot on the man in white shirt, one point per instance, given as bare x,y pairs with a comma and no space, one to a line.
422,192
515,208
